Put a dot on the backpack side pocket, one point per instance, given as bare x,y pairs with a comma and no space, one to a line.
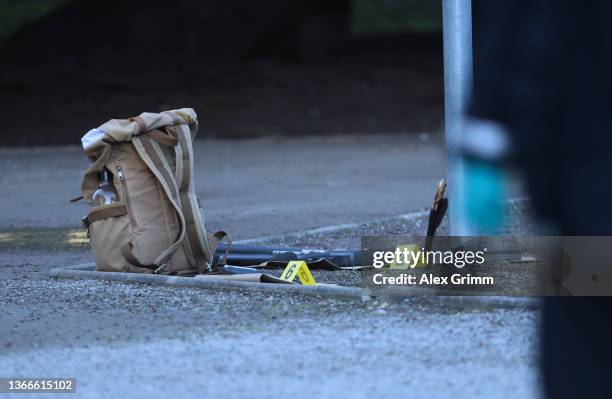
109,230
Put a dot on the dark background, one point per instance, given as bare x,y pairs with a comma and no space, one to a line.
249,68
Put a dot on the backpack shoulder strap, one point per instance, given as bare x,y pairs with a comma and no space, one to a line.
194,220
150,153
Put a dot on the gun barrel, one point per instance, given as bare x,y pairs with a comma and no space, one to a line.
340,258
255,249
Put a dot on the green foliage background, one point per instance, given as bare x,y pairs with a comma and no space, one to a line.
369,16
16,13
388,16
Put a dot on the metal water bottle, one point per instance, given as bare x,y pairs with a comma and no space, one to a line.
105,194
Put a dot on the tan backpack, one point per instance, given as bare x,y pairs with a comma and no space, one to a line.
156,225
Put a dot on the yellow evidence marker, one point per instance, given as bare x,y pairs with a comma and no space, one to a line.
300,269
415,252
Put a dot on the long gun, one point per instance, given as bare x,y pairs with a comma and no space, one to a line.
248,255
251,255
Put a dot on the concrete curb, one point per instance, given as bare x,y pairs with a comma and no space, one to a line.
86,272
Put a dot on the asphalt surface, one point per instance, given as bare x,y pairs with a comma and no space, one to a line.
140,341
250,188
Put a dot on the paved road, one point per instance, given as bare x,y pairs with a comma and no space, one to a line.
249,187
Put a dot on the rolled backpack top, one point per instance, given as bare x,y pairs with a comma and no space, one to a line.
155,225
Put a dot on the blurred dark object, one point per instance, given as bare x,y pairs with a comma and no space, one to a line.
248,68
542,69
576,350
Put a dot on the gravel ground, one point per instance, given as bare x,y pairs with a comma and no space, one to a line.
142,341
137,341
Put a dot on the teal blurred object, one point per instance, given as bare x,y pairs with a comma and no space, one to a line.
485,190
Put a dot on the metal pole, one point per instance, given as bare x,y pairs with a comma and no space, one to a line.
457,41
